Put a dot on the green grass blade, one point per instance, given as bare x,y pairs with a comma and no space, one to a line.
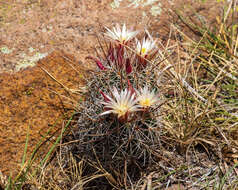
25,149
221,185
57,141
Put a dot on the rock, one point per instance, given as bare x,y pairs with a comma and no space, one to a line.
31,98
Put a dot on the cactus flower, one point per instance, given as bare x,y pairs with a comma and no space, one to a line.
121,35
121,103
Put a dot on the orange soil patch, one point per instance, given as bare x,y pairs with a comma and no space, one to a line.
28,99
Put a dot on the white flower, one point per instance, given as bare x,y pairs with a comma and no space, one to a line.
147,98
121,104
122,35
145,48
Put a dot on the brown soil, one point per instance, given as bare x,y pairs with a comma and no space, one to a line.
27,98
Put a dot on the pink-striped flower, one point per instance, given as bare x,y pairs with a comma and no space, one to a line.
146,47
120,104
121,35
147,98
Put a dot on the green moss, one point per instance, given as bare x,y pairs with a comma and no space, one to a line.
5,50
29,61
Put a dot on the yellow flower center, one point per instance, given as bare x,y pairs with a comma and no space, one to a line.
122,109
145,102
122,38
143,51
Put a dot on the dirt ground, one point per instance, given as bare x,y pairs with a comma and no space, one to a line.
63,34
